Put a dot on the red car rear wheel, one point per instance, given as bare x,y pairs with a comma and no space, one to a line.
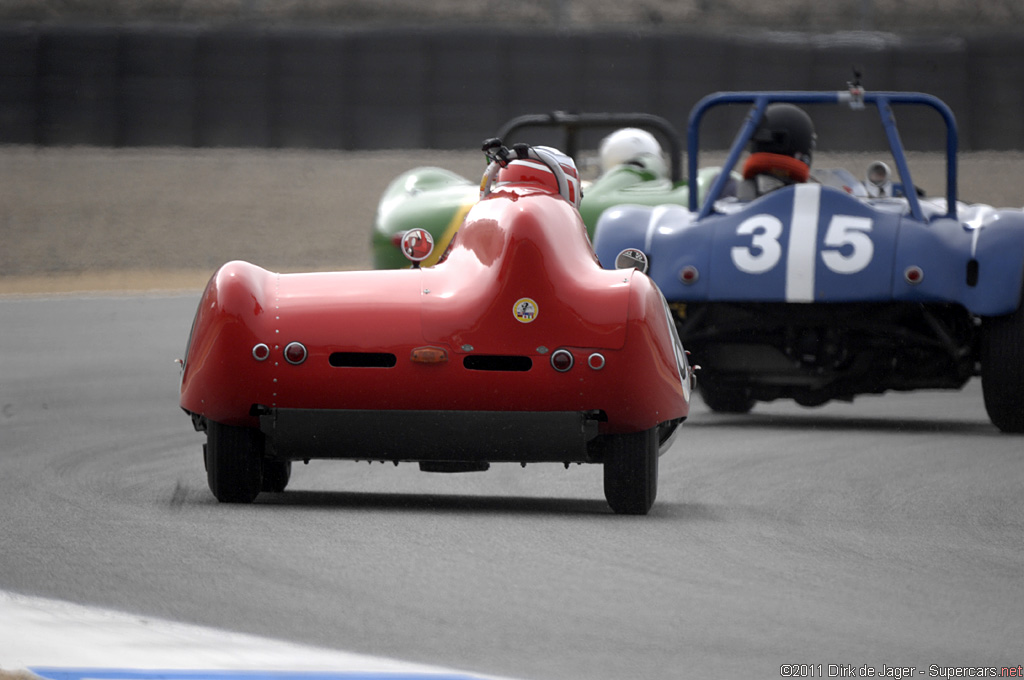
234,462
631,472
276,474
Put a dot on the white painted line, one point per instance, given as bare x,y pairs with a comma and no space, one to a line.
42,633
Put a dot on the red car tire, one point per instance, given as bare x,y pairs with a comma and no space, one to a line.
631,472
234,464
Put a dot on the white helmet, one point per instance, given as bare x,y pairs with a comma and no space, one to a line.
626,144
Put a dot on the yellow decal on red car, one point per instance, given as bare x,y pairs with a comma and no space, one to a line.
525,310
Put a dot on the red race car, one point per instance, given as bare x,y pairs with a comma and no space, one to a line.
517,347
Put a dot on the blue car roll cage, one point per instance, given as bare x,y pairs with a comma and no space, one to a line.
856,98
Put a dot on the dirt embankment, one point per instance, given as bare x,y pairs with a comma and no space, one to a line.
143,219
86,218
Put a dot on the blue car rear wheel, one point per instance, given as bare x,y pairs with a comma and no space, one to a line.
726,399
1002,369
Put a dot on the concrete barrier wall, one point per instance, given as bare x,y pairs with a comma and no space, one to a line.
450,88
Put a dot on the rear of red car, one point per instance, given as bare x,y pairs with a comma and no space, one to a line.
517,348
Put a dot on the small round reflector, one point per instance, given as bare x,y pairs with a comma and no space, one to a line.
689,274
913,274
596,361
260,352
294,353
561,360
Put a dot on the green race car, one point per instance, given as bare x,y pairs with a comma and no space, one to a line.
634,170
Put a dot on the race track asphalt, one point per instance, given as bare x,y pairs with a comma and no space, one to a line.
883,532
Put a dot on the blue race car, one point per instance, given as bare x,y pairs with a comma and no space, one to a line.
816,286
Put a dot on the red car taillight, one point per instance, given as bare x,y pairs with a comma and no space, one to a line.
295,353
561,360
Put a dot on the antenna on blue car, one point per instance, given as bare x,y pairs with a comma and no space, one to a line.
856,90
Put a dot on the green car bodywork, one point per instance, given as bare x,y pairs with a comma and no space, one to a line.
428,198
437,200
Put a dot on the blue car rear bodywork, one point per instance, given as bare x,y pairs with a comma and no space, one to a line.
829,289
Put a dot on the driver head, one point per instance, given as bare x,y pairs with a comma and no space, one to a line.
787,130
625,145
532,171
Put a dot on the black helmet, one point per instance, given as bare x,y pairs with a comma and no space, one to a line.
785,129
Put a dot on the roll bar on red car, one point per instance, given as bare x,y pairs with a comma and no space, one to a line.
572,123
499,157
856,98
